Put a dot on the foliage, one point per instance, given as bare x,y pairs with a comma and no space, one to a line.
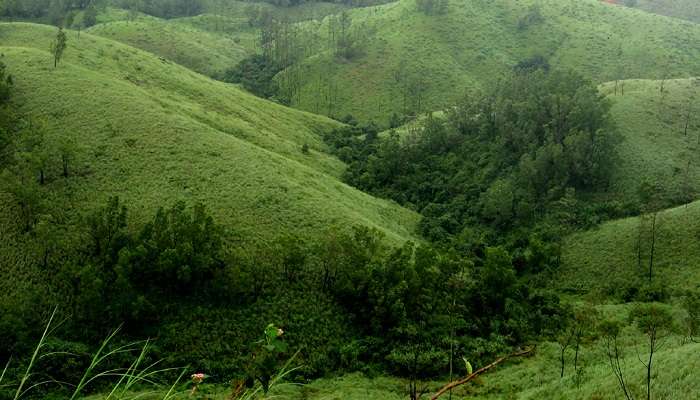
266,357
256,74
536,134
532,17
58,46
163,8
432,7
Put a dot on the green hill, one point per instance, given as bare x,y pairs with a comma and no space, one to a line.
410,62
684,9
605,259
657,146
200,51
209,43
154,132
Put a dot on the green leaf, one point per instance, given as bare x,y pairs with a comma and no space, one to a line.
468,365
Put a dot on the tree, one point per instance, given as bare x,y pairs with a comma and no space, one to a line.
6,84
585,320
179,250
656,322
691,303
58,46
579,326
27,195
432,7
610,331
90,16
650,199
33,150
66,150
107,231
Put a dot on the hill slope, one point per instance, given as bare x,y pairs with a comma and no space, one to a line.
411,62
657,145
684,9
604,260
154,132
201,51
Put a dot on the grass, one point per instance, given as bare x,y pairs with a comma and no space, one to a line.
606,257
208,141
196,49
684,9
656,145
479,40
209,43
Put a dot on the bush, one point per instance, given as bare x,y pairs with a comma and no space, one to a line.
256,74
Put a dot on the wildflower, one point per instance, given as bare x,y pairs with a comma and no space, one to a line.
198,378
280,332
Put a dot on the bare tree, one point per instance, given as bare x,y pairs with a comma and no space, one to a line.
610,331
656,323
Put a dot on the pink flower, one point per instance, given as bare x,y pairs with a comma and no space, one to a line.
198,378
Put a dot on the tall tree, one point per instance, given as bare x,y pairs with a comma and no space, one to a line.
610,331
656,322
58,46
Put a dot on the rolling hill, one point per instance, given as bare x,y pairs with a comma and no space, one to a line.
201,51
657,145
155,132
610,250
209,43
406,54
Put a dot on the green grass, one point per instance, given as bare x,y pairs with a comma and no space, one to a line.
606,257
684,9
198,50
209,43
656,146
153,132
479,40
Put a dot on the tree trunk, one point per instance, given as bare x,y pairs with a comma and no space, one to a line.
578,346
653,245
563,360
652,342
639,242
65,166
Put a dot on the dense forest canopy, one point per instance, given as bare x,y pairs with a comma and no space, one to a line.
499,158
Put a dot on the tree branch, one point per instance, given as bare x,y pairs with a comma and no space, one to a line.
480,371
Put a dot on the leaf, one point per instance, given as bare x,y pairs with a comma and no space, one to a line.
468,365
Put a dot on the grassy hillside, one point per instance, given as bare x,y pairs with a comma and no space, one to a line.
684,9
604,259
209,43
406,52
656,145
201,51
154,132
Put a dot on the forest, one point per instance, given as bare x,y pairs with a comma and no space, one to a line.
356,199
